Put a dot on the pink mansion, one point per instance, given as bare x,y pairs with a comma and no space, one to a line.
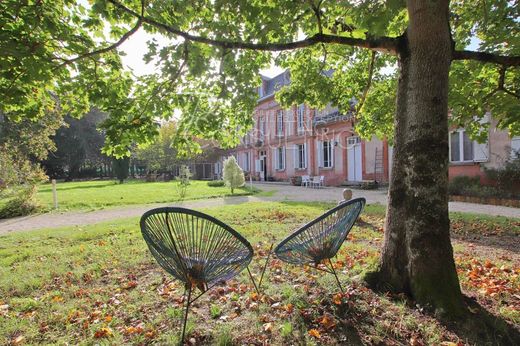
303,141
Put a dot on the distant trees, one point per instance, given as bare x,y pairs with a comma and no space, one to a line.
233,174
160,155
121,167
78,143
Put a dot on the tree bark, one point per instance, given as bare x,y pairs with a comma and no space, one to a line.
417,256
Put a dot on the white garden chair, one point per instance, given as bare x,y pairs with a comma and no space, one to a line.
306,180
316,181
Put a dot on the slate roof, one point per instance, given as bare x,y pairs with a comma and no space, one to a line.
271,85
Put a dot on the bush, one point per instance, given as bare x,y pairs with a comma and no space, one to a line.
459,184
216,183
183,180
23,202
508,176
18,180
233,174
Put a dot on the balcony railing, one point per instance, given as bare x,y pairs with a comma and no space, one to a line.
332,117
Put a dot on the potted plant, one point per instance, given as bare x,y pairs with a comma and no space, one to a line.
296,180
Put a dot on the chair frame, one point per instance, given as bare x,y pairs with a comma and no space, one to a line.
188,286
320,218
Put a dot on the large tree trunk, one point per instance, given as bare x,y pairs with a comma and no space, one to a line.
417,256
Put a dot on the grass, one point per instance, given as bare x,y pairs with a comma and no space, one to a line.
99,285
103,194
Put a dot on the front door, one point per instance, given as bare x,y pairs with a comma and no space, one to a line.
263,166
354,163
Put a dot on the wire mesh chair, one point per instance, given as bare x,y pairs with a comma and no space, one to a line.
195,248
318,241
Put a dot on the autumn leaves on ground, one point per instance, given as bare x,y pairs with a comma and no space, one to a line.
98,284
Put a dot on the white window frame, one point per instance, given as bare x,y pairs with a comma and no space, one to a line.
300,118
515,146
330,153
279,122
462,158
300,156
262,128
280,158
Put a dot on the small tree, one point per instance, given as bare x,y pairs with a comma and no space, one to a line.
121,168
233,174
183,180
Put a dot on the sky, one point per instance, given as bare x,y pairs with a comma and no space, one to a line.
135,48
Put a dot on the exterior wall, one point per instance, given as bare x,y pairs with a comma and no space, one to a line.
326,125
499,151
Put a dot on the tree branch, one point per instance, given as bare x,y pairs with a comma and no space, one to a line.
486,57
369,82
384,43
105,49
501,82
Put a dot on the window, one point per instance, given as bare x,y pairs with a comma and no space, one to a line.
327,154
246,162
279,123
280,158
261,129
300,156
300,118
515,147
461,147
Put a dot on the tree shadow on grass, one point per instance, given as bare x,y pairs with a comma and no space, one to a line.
480,327
507,241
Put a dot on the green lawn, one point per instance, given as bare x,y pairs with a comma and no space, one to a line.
99,285
101,194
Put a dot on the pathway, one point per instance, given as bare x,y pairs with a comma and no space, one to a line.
283,192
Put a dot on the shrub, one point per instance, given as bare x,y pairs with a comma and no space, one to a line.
216,183
233,174
508,176
18,179
459,184
183,180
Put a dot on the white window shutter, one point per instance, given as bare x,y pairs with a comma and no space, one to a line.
305,155
257,166
480,151
332,152
275,160
295,156
289,122
283,158
319,149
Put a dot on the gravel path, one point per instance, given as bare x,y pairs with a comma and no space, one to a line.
282,193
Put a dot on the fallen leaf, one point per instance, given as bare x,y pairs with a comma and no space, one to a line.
327,322
18,340
314,333
103,333
337,299
268,327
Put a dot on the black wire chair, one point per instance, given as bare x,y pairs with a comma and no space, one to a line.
318,241
196,249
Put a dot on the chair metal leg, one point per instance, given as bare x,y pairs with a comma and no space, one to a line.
336,276
188,302
252,280
265,266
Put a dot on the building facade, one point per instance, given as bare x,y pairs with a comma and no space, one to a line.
302,141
